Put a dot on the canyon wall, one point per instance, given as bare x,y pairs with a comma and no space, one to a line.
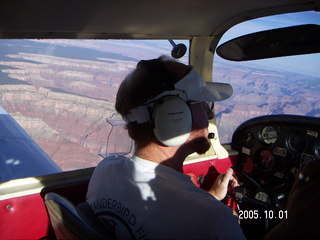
63,92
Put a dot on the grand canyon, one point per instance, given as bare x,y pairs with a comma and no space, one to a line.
62,93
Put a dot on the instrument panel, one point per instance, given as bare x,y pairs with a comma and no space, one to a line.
272,149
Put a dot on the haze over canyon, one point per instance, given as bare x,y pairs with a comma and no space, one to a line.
62,93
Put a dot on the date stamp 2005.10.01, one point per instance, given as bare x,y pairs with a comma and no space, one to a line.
266,214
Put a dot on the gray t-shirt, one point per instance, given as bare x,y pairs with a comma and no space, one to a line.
140,199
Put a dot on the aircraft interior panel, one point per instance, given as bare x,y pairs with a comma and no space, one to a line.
272,150
22,202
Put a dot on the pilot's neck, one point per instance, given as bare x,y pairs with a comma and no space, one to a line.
169,156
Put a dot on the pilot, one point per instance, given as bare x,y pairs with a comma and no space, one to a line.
166,105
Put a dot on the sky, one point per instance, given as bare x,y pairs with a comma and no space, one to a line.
311,62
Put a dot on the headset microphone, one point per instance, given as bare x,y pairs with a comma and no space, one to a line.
211,135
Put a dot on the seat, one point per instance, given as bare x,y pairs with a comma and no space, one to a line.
69,222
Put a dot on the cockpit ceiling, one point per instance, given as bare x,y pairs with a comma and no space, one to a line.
134,19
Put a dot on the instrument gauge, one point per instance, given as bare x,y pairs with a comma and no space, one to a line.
269,135
265,160
297,142
317,149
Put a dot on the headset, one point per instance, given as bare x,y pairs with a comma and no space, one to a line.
169,112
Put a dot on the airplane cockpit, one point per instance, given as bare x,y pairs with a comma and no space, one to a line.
61,64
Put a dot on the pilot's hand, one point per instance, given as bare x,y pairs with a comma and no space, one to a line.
220,186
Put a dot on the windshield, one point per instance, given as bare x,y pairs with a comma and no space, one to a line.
62,92
285,85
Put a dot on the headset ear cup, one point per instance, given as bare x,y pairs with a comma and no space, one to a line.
172,121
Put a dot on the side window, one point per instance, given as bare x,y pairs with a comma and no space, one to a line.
62,92
285,85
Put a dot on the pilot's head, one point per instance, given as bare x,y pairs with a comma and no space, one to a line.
168,102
